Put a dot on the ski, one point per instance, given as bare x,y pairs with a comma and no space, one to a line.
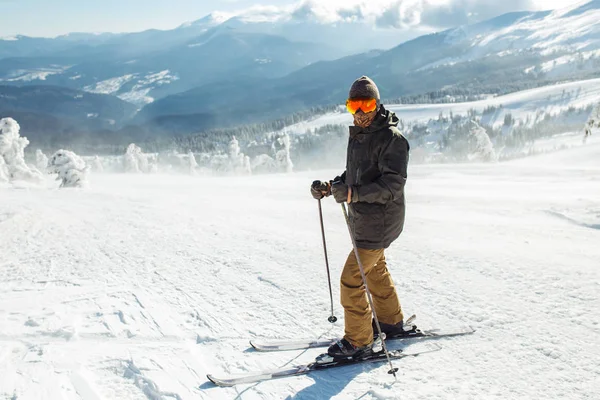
321,362
280,345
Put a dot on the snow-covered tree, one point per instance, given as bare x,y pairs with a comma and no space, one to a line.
41,160
192,163
246,167
282,153
71,169
96,165
4,176
234,148
593,123
12,154
152,162
135,160
482,148
238,162
263,164
220,163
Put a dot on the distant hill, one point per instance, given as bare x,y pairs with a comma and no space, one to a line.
48,113
141,67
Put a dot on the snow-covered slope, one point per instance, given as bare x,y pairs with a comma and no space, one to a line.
571,35
545,100
140,285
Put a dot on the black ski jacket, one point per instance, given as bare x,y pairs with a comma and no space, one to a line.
376,169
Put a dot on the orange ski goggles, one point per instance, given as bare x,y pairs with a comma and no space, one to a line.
366,105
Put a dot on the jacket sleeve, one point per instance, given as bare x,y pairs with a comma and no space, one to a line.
393,165
341,178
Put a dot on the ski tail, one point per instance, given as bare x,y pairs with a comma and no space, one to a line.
280,345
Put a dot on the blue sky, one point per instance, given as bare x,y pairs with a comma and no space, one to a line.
51,18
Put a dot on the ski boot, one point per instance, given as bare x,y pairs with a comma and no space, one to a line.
391,331
343,349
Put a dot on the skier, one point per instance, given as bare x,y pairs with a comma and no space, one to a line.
373,186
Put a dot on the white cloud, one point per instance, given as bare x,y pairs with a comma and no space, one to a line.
458,12
554,4
393,13
400,14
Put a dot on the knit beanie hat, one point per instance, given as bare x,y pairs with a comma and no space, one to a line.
364,88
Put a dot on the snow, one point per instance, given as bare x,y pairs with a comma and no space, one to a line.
139,96
563,33
558,31
550,99
569,64
159,77
31,75
138,286
109,86
210,20
138,93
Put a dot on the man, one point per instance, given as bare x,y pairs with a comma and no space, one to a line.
373,187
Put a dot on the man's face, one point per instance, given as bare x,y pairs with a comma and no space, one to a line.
362,119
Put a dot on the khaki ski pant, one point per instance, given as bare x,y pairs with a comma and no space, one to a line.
357,312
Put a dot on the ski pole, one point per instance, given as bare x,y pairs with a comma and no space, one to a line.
392,370
332,318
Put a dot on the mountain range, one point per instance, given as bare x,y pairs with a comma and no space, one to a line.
225,70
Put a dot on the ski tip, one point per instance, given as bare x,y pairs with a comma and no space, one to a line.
218,382
257,346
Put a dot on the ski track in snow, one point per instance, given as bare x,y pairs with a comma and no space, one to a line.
139,286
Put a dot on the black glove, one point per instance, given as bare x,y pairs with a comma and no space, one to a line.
319,189
339,190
